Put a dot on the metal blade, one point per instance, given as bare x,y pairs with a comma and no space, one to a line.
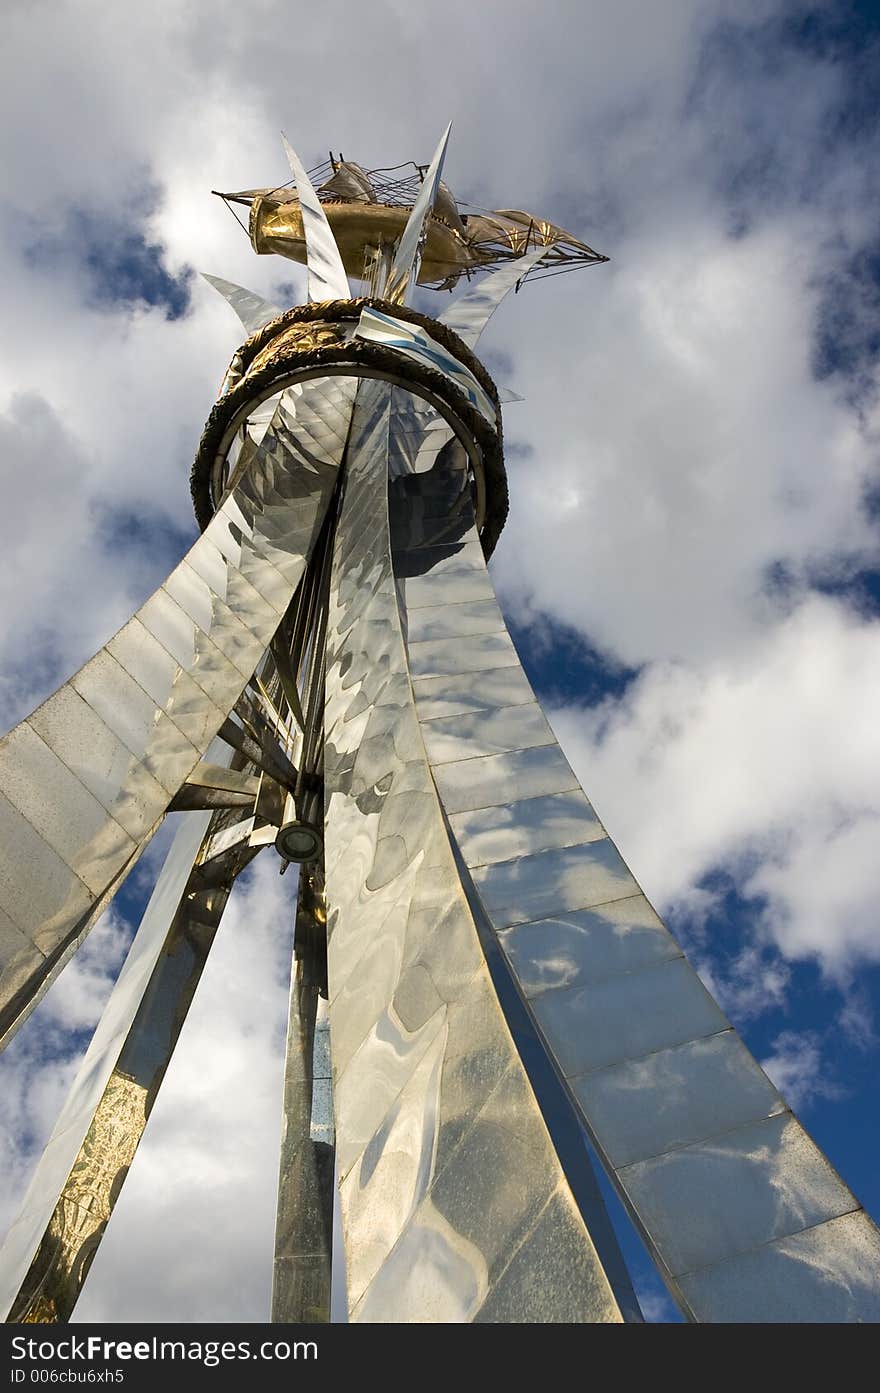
405,267
327,278
470,313
251,308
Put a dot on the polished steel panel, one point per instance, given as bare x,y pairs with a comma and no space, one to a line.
626,1017
132,715
461,583
554,1261
415,342
674,1097
699,1143
207,775
87,778
471,691
113,775
451,620
487,835
210,563
587,945
735,1192
419,1044
172,689
73,823
269,570
461,561
180,634
318,413
484,783
825,1274
214,618
484,1206
19,960
303,1231
498,1184
51,901
533,887
478,733
256,608
473,653
327,278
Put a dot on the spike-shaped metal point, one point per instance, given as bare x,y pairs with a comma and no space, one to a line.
327,278
407,258
251,308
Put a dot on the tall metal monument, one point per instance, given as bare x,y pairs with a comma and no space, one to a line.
478,981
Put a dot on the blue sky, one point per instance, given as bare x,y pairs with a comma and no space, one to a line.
691,568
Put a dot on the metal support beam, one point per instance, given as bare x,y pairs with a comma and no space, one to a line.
87,778
744,1216
50,1246
451,1191
304,1226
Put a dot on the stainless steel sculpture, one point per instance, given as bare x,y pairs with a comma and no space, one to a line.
328,671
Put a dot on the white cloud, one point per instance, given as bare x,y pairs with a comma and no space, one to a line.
656,1307
40,1064
796,1068
763,760
823,892
83,988
694,447
750,984
198,1205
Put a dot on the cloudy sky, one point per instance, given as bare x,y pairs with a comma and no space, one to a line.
691,568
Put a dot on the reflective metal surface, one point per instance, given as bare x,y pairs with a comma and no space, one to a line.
416,343
47,1252
472,653
673,1097
492,731
740,1190
469,313
404,271
585,945
528,825
488,958
470,691
573,877
86,779
824,1274
78,1181
474,617
497,779
449,1183
626,1017
251,308
728,1191
327,278
303,1231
